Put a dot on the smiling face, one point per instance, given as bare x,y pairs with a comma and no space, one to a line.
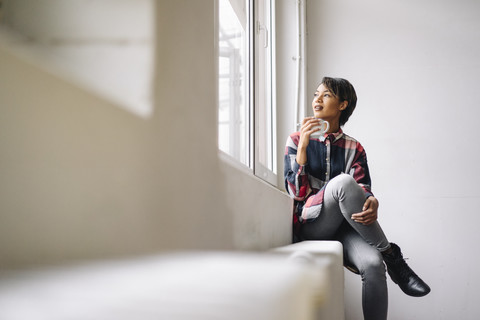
327,106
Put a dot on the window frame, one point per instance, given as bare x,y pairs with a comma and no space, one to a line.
243,158
258,31
265,160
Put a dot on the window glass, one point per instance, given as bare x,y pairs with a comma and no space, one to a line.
233,80
246,115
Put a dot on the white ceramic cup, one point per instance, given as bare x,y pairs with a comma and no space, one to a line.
324,126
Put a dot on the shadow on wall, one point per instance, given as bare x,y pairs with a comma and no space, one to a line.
84,179
107,49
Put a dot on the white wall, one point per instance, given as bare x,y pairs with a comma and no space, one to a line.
415,67
81,178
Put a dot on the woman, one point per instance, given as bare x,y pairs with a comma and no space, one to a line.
328,178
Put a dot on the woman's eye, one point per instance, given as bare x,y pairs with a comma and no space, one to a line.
326,95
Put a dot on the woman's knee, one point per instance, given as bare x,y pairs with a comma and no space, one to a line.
343,178
343,184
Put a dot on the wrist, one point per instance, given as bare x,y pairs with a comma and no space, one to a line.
301,157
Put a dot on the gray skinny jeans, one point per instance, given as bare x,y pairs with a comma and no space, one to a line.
362,244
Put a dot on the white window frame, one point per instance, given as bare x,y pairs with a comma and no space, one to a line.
262,148
265,147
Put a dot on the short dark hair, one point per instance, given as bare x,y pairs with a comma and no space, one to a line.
344,91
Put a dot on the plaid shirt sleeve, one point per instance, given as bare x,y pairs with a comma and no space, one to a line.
296,179
360,172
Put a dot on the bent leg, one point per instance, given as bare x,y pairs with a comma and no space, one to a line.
350,197
369,262
342,198
327,224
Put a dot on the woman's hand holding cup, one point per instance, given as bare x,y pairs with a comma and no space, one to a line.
310,127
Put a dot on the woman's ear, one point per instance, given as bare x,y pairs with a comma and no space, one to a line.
344,105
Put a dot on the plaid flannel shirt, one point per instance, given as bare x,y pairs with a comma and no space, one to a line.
328,157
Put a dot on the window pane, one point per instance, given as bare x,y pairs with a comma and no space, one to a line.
265,162
233,113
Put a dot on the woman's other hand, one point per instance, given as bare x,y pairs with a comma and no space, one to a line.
369,213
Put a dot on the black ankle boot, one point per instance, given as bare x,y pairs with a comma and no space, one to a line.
402,275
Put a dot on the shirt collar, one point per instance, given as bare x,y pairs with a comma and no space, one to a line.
332,136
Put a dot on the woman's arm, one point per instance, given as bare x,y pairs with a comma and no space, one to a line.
309,126
361,174
296,179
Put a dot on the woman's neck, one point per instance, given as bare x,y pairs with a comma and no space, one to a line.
334,127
